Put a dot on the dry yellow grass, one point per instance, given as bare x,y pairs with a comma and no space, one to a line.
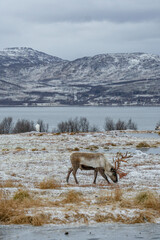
148,199
110,197
37,220
8,208
72,197
21,194
141,217
77,217
50,183
8,184
14,209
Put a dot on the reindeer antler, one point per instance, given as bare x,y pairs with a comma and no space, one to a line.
120,157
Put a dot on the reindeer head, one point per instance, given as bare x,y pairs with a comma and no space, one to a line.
113,174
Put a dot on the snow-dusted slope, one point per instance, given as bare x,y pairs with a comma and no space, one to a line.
26,57
32,77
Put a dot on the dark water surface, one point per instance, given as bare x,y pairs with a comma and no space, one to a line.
96,232
146,118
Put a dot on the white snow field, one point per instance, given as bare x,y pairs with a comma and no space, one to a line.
30,159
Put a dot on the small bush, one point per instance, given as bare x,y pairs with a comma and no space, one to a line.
121,125
49,184
142,145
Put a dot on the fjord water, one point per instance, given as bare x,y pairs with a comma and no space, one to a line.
146,118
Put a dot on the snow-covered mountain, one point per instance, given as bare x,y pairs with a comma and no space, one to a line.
30,77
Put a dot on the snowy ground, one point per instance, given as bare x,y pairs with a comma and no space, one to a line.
28,159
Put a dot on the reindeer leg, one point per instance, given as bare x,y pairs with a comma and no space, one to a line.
74,174
95,175
69,172
101,171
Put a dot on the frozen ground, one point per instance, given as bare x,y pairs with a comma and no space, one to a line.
28,159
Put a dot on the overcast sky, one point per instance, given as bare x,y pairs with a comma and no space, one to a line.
75,28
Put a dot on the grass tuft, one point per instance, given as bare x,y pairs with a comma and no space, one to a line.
148,199
21,194
72,196
49,184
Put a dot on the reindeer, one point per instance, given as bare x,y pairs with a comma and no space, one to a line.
92,161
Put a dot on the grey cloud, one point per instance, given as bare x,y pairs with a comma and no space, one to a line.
74,28
85,10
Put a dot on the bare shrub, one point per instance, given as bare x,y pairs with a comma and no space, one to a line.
109,124
6,126
131,125
119,125
24,126
83,124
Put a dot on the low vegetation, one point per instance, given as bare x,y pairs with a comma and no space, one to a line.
16,209
72,197
13,210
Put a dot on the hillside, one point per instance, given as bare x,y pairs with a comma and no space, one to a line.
30,77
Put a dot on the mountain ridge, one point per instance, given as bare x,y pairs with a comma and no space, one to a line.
30,77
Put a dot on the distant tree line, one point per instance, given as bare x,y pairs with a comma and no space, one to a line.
83,125
72,125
